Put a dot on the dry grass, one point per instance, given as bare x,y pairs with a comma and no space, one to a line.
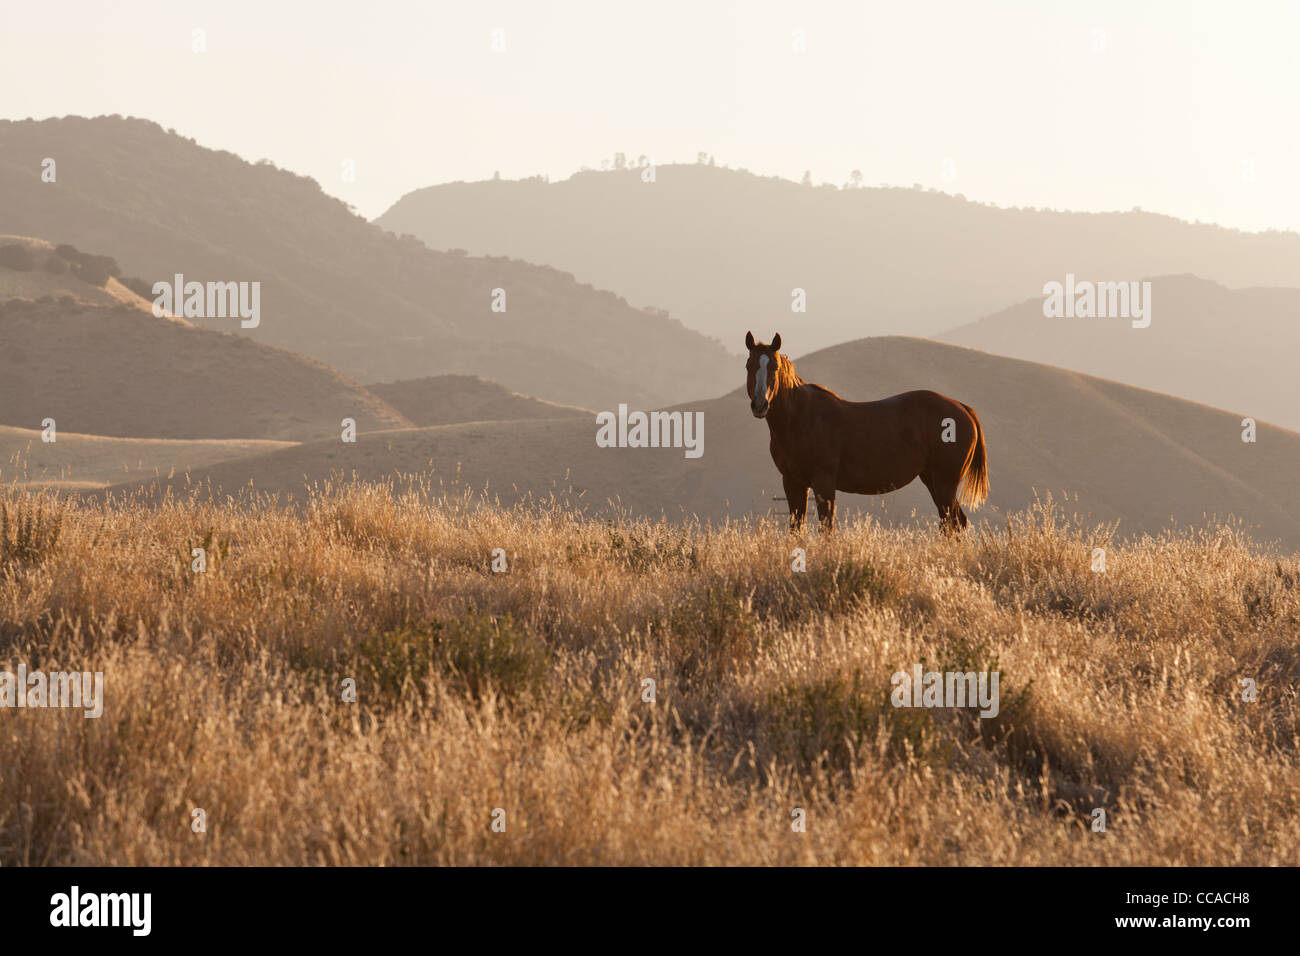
523,690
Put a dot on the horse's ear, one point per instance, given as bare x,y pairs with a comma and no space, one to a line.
749,340
776,342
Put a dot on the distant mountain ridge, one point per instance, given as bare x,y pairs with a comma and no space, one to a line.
335,286
724,249
1236,349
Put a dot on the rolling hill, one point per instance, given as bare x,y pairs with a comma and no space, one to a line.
723,249
333,285
120,371
1117,452
79,462
35,269
449,399
1236,349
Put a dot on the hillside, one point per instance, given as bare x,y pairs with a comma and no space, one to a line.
449,399
1235,349
335,286
119,371
34,269
722,249
1128,454
93,461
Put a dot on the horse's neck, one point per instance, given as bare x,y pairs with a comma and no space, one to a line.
787,405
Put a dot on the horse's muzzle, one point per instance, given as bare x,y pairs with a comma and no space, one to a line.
758,408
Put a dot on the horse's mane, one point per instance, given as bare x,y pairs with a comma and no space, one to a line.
786,376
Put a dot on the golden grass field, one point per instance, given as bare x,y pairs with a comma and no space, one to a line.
522,690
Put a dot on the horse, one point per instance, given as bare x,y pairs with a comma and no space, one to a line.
823,442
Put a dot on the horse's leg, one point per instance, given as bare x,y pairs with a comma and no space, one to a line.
824,492
796,496
944,494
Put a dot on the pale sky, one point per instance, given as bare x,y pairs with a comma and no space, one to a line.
1185,108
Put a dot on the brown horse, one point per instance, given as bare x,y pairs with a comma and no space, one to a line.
823,442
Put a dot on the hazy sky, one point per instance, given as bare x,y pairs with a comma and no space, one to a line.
1186,108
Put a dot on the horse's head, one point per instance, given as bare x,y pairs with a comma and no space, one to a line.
761,380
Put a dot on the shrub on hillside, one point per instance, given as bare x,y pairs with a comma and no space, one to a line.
95,270
139,286
18,257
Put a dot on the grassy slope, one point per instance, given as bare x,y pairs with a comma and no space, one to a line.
523,691
122,372
449,399
40,280
93,461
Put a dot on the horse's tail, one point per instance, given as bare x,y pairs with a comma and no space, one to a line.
975,472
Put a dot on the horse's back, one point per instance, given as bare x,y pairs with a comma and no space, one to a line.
921,398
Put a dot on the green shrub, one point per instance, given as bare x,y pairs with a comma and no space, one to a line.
474,653
823,589
828,721
839,586
707,635
642,552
